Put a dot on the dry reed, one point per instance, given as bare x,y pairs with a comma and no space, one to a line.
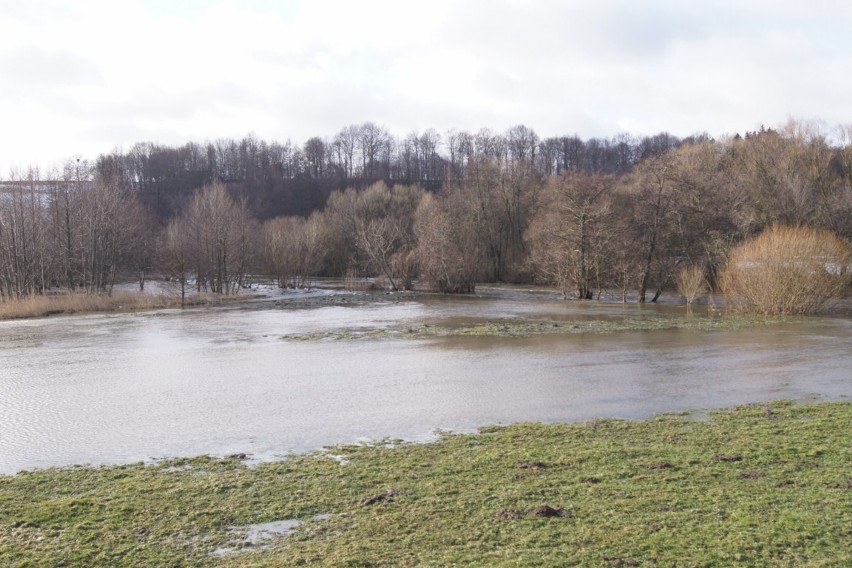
73,303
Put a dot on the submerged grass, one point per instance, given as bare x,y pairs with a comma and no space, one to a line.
526,328
764,485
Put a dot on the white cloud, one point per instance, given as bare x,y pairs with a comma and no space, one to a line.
82,77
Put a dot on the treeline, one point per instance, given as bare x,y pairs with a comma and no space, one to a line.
589,216
278,179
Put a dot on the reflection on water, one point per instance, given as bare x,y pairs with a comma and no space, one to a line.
122,388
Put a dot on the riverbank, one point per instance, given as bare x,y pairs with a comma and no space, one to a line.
754,485
76,303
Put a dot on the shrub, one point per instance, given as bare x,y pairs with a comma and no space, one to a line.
787,271
690,283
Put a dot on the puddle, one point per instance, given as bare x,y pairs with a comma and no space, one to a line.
260,536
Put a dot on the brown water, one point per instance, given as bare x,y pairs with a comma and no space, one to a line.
123,388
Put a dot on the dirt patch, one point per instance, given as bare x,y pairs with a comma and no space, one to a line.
590,479
730,458
548,511
383,497
542,511
620,561
531,464
750,474
660,465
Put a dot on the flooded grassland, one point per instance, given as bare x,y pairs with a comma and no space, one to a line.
298,372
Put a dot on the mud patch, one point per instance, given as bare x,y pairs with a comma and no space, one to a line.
730,458
548,511
750,474
542,511
383,497
620,561
531,465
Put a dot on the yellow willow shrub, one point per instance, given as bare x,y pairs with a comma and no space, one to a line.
787,271
690,283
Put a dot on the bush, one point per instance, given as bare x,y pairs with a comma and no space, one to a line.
787,271
690,283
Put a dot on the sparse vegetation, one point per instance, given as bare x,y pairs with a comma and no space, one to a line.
760,485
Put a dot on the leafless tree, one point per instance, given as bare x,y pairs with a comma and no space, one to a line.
23,262
219,232
315,151
449,251
653,191
176,257
294,249
570,237
384,231
346,141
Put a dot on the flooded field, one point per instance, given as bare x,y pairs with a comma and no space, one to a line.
127,387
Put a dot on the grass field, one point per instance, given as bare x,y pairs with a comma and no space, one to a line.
762,485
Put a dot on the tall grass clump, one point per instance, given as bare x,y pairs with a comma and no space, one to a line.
36,306
787,270
71,303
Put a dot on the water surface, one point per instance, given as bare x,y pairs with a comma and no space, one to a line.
123,388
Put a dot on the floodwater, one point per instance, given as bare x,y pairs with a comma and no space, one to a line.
123,388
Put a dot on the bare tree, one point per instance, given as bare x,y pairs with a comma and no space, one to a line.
219,233
449,252
315,151
294,249
23,263
346,142
176,257
522,144
372,139
653,192
380,239
570,236
384,231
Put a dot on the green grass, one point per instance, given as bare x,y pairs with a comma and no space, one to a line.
763,485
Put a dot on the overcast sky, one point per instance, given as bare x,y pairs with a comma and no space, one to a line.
82,77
